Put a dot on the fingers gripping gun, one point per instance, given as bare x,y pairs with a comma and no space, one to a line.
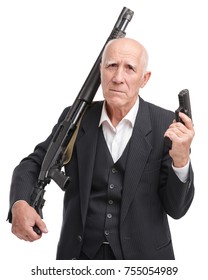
184,107
56,152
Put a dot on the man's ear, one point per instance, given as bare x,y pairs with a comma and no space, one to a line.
146,78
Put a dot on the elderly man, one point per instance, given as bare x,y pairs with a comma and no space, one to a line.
125,180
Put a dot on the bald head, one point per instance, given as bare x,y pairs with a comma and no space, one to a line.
126,46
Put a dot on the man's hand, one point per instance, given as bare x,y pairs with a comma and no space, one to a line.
181,136
24,217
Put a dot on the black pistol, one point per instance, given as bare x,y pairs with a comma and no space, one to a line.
184,107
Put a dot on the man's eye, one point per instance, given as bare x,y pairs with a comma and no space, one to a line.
113,65
131,68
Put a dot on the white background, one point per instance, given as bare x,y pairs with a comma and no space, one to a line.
47,49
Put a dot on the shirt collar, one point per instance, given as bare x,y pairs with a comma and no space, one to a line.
131,116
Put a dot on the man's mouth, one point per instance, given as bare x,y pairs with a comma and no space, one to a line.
116,91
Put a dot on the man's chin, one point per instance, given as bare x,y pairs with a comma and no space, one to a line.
115,102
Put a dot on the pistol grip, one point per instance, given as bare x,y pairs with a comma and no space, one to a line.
168,142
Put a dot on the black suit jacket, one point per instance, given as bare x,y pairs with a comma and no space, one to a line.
151,190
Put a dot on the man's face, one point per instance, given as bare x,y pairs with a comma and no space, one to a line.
122,73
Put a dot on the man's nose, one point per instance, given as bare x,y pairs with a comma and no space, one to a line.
118,76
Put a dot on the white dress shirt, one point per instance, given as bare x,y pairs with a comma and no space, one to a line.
118,137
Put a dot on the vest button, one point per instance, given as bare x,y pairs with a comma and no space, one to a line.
109,215
114,170
111,186
110,201
107,232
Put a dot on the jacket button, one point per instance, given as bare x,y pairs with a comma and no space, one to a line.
79,238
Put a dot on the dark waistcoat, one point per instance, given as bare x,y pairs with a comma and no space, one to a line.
103,216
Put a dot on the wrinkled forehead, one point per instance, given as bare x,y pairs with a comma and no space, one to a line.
125,50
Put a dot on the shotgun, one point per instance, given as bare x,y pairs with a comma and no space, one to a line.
56,153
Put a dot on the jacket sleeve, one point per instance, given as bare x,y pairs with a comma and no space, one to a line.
25,175
177,196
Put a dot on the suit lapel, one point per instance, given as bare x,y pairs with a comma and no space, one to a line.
86,151
139,151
